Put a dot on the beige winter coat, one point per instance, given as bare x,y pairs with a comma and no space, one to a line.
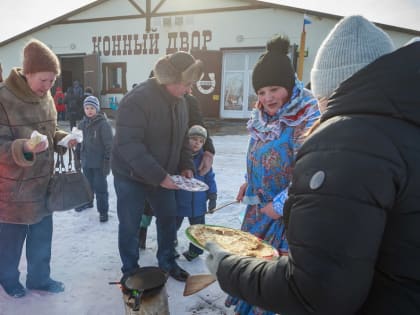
23,182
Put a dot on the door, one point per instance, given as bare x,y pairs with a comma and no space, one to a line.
207,88
91,74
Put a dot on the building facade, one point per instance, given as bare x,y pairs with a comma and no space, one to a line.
110,45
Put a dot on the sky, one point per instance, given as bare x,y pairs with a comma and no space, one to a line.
401,13
85,253
17,16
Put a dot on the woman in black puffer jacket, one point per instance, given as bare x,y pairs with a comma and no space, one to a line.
353,210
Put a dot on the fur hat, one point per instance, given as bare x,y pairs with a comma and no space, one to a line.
352,44
274,67
197,131
37,57
179,67
92,101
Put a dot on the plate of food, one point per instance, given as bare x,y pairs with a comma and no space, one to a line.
232,240
190,184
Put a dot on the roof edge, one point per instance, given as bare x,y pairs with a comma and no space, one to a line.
263,3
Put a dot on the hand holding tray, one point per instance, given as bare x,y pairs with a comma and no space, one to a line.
189,184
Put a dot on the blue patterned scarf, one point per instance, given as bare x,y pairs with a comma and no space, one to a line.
301,105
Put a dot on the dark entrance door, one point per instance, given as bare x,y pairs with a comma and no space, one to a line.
207,89
72,69
91,72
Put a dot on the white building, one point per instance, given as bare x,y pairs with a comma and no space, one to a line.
112,44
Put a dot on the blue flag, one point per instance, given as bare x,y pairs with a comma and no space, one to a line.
306,20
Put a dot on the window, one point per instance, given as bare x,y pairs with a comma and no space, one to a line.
114,78
238,96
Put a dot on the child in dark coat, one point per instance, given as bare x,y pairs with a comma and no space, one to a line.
95,151
193,204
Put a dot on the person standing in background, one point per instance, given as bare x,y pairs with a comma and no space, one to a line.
59,104
26,168
95,153
88,92
74,103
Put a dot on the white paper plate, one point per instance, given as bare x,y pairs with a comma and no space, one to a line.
190,184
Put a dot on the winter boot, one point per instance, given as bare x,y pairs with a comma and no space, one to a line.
14,289
142,237
189,255
50,285
103,216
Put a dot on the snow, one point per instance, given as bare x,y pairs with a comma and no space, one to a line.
85,253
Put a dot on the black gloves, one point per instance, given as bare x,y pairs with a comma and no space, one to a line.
212,197
106,167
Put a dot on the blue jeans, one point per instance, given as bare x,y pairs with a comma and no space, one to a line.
99,185
38,251
131,196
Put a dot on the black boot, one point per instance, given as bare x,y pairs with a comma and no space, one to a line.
142,237
103,216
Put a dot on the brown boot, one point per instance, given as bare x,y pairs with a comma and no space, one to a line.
142,238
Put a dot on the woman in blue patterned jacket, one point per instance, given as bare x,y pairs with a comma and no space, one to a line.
285,110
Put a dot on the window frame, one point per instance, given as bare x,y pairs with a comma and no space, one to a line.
109,67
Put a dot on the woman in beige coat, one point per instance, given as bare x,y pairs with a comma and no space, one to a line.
26,105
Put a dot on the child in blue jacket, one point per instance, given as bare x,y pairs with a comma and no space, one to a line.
194,204
95,152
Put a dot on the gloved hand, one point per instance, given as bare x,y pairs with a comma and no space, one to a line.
106,168
215,256
212,197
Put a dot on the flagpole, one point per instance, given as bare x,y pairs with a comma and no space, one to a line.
301,58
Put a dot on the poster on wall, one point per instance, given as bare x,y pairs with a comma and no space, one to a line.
233,94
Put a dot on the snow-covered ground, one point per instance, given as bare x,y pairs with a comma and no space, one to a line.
85,254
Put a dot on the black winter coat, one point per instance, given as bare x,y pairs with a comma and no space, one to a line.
151,135
353,232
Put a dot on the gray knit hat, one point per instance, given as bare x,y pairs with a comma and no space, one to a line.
197,131
351,45
179,67
92,101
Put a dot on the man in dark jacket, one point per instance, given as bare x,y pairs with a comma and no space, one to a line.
151,144
353,212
